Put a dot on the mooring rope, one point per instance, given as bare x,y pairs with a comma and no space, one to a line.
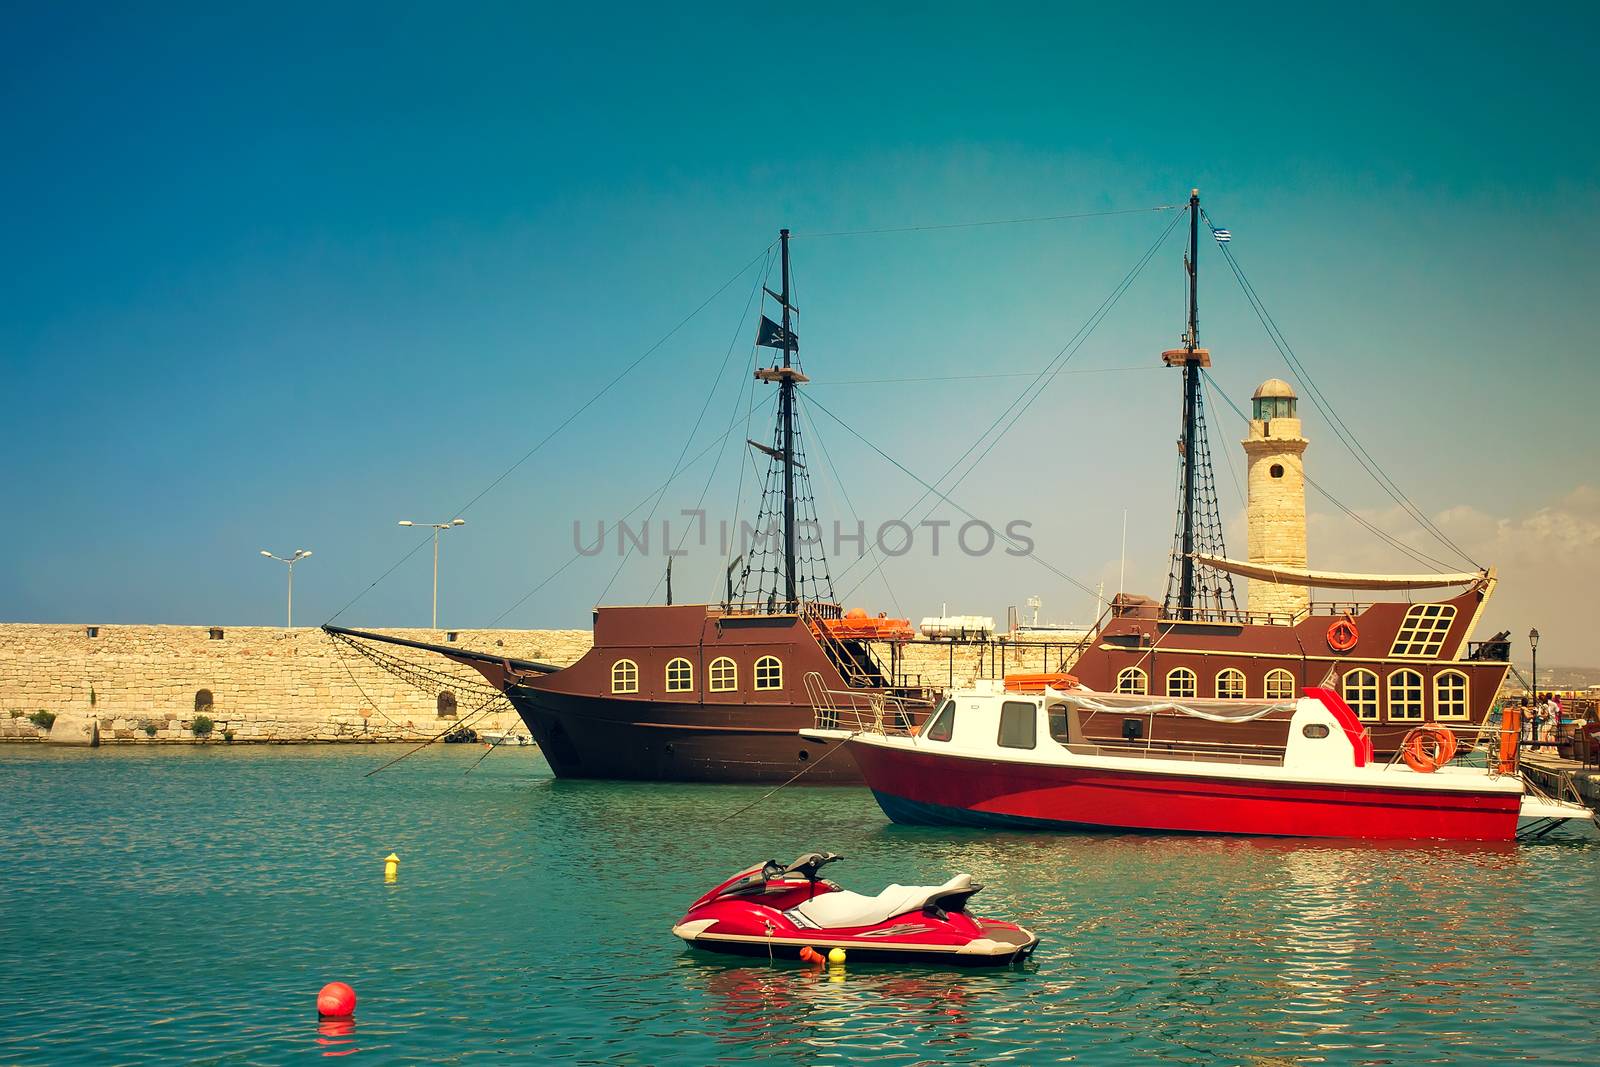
803,770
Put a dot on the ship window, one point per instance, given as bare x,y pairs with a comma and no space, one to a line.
724,675
1230,684
1450,695
769,673
943,724
1424,630
624,676
1279,685
1181,682
680,675
1361,693
1019,724
1132,680
1314,730
1405,696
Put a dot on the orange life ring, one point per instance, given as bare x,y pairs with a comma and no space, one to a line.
1342,635
1427,748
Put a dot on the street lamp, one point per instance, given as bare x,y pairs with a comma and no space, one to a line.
1533,644
437,527
299,554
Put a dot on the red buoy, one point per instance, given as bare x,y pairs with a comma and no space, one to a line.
336,1001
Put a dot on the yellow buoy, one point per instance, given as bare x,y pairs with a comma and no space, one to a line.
836,955
391,867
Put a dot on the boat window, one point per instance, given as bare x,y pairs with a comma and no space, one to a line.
769,673
680,675
624,676
1019,724
724,674
1230,684
1405,696
1058,724
943,724
1315,730
1181,682
1132,680
1361,693
1450,695
1279,685
1424,629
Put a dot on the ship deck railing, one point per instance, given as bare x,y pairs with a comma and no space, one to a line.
860,710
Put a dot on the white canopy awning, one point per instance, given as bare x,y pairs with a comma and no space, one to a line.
1339,579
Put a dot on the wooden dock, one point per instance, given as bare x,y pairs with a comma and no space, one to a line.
1550,772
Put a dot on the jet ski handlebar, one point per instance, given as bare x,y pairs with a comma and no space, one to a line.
808,864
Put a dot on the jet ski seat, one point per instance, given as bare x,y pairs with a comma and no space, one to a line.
843,909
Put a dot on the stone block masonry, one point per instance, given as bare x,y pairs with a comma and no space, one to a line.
256,683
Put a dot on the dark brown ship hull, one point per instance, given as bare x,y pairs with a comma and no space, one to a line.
593,737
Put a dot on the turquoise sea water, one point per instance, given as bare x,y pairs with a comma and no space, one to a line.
184,905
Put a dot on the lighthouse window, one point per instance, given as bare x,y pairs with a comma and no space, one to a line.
624,676
769,673
1230,684
1132,680
1361,693
680,675
1405,696
1019,724
1279,685
1181,682
724,675
1424,629
1276,470
1450,695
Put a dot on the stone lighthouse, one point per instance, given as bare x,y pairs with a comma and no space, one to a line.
1276,511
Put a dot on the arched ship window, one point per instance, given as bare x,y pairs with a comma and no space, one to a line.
724,675
1405,696
769,673
1181,682
1133,681
1230,684
1423,630
1279,685
1361,693
1450,695
680,675
624,676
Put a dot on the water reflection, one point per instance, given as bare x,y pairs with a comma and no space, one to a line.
337,1036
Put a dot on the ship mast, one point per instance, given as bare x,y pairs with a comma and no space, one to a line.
784,571
1195,590
786,414
1191,386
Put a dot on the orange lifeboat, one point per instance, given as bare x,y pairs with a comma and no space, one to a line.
1036,681
857,625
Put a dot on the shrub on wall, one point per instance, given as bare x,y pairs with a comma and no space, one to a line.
43,719
149,728
202,726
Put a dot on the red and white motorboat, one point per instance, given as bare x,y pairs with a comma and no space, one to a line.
778,911
1012,760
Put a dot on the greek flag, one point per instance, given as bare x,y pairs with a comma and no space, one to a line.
1222,236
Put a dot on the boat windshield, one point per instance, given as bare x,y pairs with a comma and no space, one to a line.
942,725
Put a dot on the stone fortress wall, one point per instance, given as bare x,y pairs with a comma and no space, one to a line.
147,683
141,684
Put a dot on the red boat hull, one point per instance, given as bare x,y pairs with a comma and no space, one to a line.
924,789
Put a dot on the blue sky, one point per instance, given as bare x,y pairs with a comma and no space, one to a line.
282,275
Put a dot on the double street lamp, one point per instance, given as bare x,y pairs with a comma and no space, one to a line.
299,554
437,528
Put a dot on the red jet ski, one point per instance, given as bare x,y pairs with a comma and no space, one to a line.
775,910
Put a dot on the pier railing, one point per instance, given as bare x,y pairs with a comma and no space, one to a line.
860,710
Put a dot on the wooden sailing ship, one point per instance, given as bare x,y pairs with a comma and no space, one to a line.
1397,664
